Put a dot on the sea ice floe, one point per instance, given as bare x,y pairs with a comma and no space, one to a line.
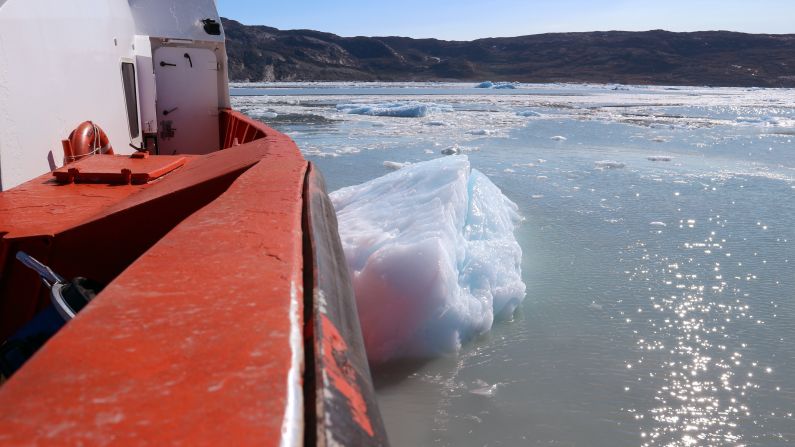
458,149
504,85
395,165
609,164
432,256
348,150
409,109
496,85
659,158
558,138
527,113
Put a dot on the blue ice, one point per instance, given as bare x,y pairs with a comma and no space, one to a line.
432,256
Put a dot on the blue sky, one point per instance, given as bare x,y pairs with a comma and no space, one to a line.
468,19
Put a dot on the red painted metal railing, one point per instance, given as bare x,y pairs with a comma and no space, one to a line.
236,128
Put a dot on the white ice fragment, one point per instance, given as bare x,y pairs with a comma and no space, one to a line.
558,138
658,224
497,85
609,164
659,158
483,132
659,139
432,257
348,150
482,388
456,149
409,109
395,165
504,85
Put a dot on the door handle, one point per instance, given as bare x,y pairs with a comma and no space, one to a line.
163,64
166,112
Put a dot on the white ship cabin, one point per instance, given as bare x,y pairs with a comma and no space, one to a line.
150,73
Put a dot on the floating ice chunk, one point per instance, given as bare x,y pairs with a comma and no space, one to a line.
482,388
432,257
457,149
483,132
348,150
658,224
527,113
505,85
558,138
268,115
437,123
609,164
659,139
394,109
659,158
497,85
395,165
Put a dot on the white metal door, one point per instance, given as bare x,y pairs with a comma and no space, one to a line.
187,100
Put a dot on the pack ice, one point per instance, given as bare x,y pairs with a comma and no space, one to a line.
432,256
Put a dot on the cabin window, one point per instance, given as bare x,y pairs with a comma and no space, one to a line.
130,97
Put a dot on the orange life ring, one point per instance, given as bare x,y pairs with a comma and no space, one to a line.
87,139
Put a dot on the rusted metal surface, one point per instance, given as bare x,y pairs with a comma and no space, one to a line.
118,169
346,409
195,342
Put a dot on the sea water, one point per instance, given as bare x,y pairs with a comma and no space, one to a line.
657,253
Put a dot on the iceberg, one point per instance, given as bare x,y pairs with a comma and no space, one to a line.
432,256
394,109
485,84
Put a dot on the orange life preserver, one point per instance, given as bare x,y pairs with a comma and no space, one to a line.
87,139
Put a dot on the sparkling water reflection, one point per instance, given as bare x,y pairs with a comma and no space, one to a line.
658,258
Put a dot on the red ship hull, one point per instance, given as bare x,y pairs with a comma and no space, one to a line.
228,317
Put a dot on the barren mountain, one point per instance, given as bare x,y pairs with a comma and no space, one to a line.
719,58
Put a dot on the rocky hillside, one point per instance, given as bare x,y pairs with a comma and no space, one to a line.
719,58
